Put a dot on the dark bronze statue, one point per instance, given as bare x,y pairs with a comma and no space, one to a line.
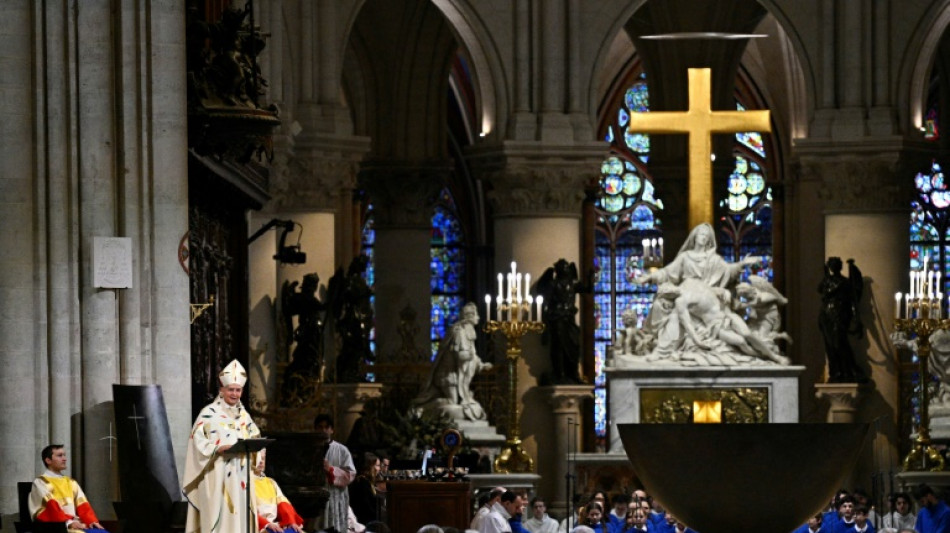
560,285
353,315
308,354
838,318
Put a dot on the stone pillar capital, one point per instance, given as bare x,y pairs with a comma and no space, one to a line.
862,180
567,399
403,193
316,179
843,399
533,179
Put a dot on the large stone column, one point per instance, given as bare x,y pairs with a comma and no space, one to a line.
567,403
402,195
866,195
538,207
90,151
313,183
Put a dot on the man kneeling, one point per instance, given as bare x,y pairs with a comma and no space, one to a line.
58,498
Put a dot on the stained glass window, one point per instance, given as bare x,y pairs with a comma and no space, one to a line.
367,246
447,261
746,225
626,211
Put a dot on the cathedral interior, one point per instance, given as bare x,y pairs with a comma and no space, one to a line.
256,162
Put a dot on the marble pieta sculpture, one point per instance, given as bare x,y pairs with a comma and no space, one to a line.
702,315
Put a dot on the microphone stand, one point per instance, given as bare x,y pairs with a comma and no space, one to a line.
569,476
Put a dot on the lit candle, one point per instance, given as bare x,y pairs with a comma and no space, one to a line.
653,247
527,286
660,241
508,279
646,247
528,301
499,309
897,305
907,305
937,286
540,301
518,286
499,286
911,295
487,307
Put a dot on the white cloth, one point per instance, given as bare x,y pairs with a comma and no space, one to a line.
496,521
480,515
215,484
343,473
545,525
898,521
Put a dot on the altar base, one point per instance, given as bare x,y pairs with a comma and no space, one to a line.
767,393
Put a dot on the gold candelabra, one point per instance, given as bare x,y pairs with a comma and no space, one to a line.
518,312
923,320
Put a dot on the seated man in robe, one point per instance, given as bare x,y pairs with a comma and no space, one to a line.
274,511
58,498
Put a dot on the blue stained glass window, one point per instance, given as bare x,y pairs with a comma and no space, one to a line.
626,212
448,273
367,246
746,225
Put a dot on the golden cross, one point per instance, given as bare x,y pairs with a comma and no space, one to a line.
700,122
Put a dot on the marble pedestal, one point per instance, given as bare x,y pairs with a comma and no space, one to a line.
626,386
939,421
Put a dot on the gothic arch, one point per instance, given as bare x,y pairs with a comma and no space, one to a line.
401,52
795,62
487,73
914,76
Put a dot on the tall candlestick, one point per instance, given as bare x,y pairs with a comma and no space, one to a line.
487,307
897,305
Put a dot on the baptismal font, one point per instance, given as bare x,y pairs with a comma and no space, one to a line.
513,317
922,317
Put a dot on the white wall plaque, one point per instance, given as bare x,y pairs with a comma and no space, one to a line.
112,262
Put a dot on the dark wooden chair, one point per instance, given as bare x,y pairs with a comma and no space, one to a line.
26,523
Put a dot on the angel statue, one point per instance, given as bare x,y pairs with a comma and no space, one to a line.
838,318
349,297
559,285
308,354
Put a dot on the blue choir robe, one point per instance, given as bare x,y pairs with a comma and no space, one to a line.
936,520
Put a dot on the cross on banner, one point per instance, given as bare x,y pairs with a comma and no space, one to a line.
135,418
111,438
699,122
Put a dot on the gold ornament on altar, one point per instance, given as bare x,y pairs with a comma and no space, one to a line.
513,313
700,122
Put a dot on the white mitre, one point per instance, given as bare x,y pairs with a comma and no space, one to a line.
233,374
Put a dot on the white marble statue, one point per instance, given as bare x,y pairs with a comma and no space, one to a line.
448,389
939,364
697,314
